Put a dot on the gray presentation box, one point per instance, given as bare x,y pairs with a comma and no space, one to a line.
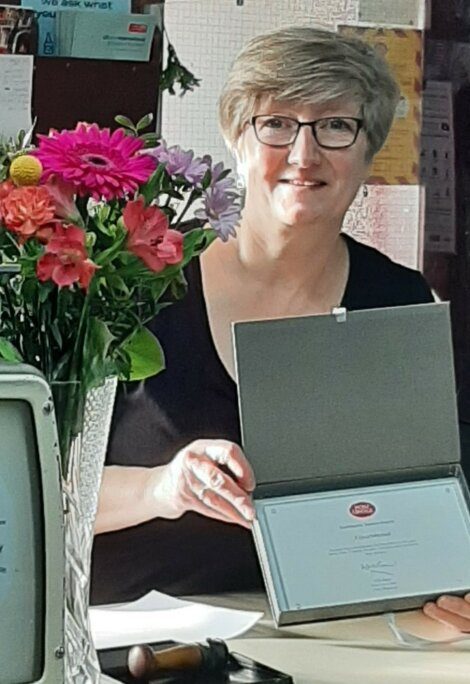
353,404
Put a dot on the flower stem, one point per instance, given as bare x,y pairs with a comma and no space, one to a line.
75,396
192,197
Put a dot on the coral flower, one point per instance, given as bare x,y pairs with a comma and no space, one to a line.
63,197
27,210
149,236
5,188
95,161
66,259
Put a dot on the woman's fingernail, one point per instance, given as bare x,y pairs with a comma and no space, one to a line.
444,601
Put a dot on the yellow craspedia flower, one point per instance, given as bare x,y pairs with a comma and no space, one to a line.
25,170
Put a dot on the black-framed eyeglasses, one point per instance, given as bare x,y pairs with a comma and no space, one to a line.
330,132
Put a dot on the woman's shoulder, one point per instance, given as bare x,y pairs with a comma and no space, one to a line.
377,281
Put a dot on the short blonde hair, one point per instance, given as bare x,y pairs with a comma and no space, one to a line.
308,65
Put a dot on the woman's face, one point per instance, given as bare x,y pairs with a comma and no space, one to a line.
302,183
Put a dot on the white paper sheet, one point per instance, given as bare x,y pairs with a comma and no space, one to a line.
158,617
16,86
390,220
406,13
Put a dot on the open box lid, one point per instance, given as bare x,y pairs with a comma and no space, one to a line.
332,396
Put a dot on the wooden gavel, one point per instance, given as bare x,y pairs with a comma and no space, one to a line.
145,663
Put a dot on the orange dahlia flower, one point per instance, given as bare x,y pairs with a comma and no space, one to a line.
27,210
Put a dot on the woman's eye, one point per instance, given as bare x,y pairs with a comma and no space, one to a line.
336,124
274,123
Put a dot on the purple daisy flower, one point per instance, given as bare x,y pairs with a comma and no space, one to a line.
226,183
180,163
221,210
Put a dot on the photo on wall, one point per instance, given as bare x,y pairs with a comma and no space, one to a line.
18,31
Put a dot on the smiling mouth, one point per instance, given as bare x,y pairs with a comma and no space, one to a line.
303,183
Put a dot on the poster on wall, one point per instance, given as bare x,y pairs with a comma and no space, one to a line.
398,161
438,166
389,218
18,31
47,12
399,13
16,88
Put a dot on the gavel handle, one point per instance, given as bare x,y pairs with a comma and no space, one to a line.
143,662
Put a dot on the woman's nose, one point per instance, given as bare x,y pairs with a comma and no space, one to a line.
305,150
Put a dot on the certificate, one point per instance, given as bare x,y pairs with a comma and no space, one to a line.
367,544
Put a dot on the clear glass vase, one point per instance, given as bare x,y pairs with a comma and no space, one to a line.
83,422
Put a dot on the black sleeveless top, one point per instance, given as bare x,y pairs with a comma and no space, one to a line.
194,398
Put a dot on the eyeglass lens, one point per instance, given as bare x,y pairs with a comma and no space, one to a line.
330,131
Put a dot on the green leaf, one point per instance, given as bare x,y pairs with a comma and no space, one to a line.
124,121
196,241
55,330
178,287
144,122
145,354
152,188
206,181
176,73
107,255
44,290
150,139
8,352
96,360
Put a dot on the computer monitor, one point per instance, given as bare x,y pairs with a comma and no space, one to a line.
31,532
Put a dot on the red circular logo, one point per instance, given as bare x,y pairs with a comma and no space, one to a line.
362,509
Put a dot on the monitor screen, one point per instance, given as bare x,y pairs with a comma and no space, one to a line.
22,549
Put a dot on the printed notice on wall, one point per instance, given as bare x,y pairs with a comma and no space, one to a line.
438,167
389,219
48,18
406,13
16,86
398,161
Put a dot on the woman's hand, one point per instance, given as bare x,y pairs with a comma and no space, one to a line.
194,481
450,610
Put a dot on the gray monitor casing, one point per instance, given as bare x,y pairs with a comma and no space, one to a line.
351,399
31,532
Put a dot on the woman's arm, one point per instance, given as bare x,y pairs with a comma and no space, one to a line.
211,477
124,499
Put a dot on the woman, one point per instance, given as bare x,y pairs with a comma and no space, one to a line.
304,112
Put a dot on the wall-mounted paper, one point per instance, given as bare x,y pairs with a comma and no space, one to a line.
438,166
110,36
16,85
47,12
398,161
18,31
390,220
406,13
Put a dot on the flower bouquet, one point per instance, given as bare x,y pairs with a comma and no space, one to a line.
92,245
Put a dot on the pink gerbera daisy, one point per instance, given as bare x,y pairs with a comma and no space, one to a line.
95,161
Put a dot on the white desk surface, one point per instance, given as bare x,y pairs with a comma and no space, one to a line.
353,651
